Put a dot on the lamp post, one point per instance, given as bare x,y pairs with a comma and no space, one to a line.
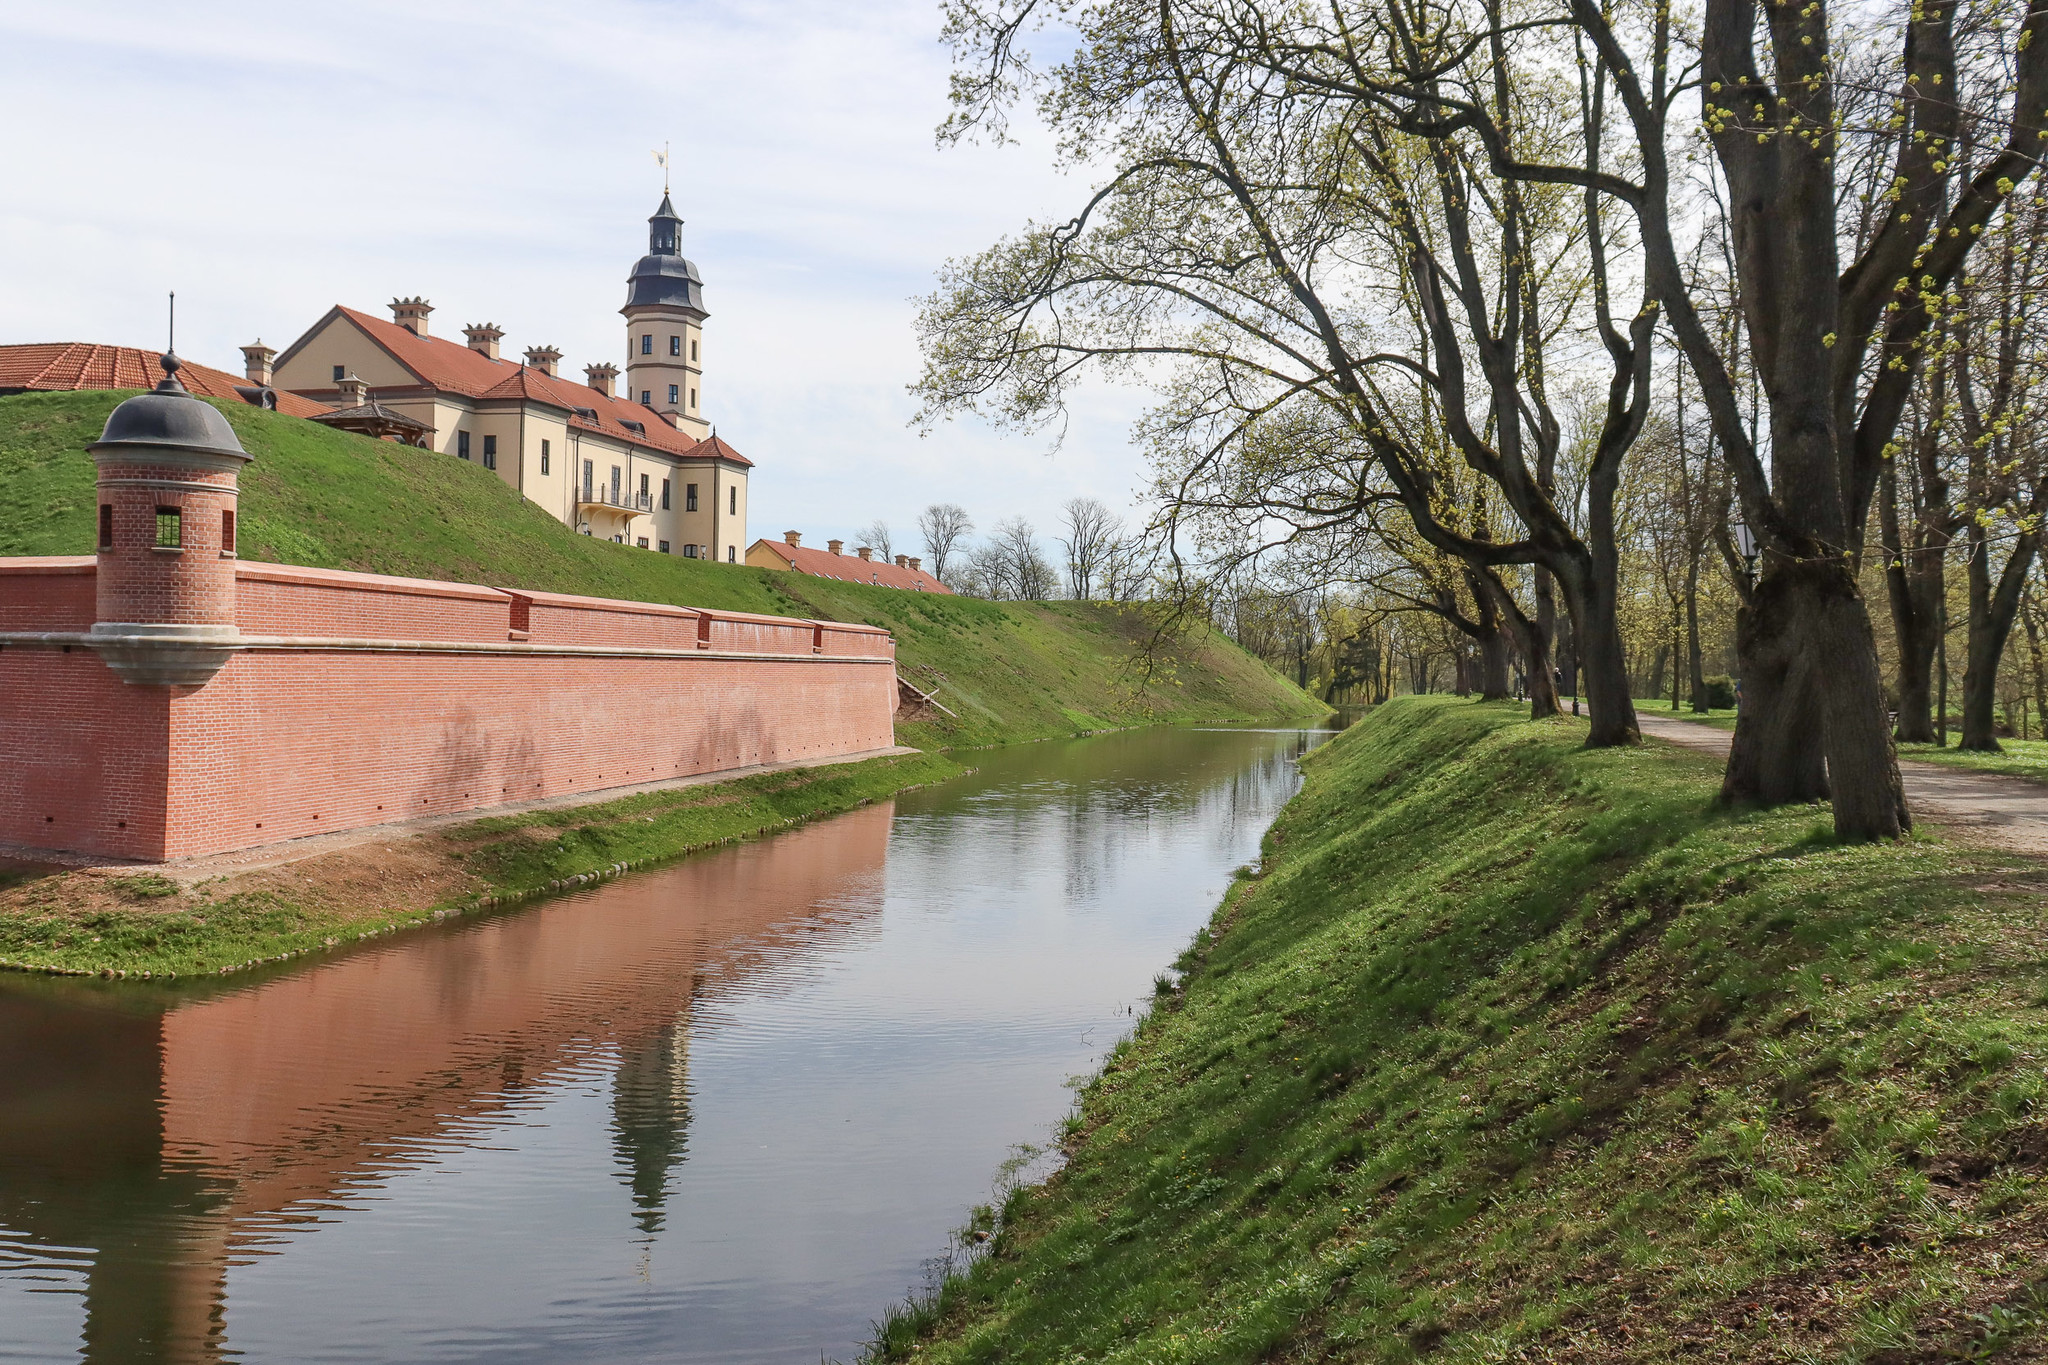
1745,545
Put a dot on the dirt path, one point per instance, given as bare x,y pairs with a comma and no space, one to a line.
2003,811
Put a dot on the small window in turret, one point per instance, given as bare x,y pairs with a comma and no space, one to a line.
170,528
675,345
693,350
106,526
227,532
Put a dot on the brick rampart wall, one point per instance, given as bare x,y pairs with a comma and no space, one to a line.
285,742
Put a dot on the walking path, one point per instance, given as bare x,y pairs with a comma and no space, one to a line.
2004,811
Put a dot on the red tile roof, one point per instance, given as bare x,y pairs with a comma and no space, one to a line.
850,568
66,365
453,368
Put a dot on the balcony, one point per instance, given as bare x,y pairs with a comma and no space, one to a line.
612,499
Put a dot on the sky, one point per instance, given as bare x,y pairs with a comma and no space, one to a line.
267,161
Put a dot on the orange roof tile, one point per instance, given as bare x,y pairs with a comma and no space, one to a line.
850,568
454,368
69,365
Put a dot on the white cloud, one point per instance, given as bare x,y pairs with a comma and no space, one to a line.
267,161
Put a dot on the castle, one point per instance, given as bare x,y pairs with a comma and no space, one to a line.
164,698
640,467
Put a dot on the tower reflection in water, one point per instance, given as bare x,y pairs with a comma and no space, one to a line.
157,1138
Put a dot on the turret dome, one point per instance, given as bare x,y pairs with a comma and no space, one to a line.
664,277
169,416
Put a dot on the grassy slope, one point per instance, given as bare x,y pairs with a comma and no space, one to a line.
1513,1050
1011,670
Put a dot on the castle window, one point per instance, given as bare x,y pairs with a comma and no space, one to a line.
543,457
461,445
646,398
170,528
644,500
664,501
673,396
689,552
647,344
675,345
643,542
106,526
732,500
617,479
689,497
490,452
589,469
693,398
693,350
732,554
664,547
340,373
227,531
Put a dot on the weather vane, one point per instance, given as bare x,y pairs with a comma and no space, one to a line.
661,160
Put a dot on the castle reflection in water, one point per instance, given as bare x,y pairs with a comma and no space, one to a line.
163,1138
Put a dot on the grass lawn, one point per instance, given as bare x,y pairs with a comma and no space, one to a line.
2026,758
1009,670
1511,1050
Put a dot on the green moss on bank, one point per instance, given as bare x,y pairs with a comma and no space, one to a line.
1513,1050
1009,670
150,925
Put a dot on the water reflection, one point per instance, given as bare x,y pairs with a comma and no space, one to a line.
716,1112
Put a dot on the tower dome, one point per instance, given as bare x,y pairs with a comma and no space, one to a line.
664,277
664,328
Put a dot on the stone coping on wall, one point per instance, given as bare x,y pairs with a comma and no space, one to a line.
261,572
45,565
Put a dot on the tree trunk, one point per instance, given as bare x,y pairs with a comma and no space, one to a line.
1603,660
1812,716
1696,665
1915,583
1657,671
1991,616
2033,625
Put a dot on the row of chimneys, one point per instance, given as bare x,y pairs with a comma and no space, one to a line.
484,337
915,565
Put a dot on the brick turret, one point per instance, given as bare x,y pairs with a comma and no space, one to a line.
168,469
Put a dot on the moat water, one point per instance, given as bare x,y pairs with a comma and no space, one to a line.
728,1110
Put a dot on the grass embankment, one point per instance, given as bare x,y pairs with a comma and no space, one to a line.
1012,671
1517,1051
148,924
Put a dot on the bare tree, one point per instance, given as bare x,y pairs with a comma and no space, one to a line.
1027,574
1091,533
875,535
944,525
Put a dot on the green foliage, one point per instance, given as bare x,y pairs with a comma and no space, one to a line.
1516,1050
1720,690
1011,670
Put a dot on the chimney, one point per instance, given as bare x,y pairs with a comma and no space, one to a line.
865,551
354,392
833,545
484,338
902,561
257,360
916,565
411,314
794,538
544,359
601,377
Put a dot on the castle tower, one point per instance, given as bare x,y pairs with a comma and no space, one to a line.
168,470
664,327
